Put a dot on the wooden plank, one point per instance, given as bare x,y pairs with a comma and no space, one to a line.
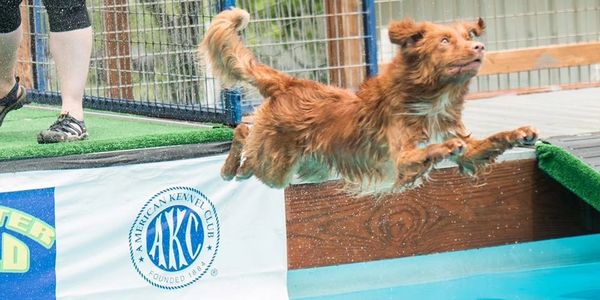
116,26
344,47
528,59
514,203
556,56
24,68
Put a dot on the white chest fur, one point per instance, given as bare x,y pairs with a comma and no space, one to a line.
434,111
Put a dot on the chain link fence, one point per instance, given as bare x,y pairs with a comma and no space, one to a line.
144,59
321,40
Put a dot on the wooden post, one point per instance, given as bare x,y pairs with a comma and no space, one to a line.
344,31
24,69
116,26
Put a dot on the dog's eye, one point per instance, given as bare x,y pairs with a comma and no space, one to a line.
445,41
472,34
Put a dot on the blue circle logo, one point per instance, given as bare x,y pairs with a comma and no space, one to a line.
175,238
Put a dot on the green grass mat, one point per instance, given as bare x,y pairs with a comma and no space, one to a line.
18,134
571,172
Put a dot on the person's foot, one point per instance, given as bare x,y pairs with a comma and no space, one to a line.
14,100
65,129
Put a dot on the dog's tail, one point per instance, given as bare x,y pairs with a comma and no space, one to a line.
231,61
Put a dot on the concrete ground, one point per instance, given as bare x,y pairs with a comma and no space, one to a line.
554,113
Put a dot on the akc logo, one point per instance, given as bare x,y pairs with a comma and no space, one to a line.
175,238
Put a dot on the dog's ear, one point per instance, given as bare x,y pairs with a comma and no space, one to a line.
476,28
406,32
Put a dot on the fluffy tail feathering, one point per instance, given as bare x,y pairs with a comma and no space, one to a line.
230,60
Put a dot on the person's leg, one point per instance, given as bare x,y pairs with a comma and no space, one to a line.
10,38
71,47
71,52
9,43
12,96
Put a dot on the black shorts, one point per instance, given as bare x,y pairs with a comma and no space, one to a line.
63,15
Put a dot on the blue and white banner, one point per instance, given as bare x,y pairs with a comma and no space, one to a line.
169,230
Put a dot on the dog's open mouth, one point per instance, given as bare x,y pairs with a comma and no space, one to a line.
471,66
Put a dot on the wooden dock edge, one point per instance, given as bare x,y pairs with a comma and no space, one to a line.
515,202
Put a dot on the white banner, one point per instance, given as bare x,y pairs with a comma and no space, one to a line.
169,230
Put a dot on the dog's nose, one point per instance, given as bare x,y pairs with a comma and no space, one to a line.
478,47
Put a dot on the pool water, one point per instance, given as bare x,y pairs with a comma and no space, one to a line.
572,282
567,268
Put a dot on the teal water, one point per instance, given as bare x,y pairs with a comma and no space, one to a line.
572,282
566,268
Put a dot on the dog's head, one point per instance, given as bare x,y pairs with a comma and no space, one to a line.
441,52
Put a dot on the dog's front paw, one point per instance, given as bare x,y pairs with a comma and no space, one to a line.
453,147
450,148
456,147
525,135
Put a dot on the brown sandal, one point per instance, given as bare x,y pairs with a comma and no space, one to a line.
13,102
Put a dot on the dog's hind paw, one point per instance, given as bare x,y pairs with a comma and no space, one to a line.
228,170
227,176
243,172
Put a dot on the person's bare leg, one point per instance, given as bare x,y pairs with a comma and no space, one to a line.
12,96
71,51
9,43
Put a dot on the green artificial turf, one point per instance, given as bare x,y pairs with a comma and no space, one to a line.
571,172
18,134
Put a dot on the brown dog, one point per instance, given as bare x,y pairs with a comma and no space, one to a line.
383,138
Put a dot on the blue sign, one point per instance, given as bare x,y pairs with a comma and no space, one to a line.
27,245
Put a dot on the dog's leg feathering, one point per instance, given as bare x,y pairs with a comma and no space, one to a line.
413,163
